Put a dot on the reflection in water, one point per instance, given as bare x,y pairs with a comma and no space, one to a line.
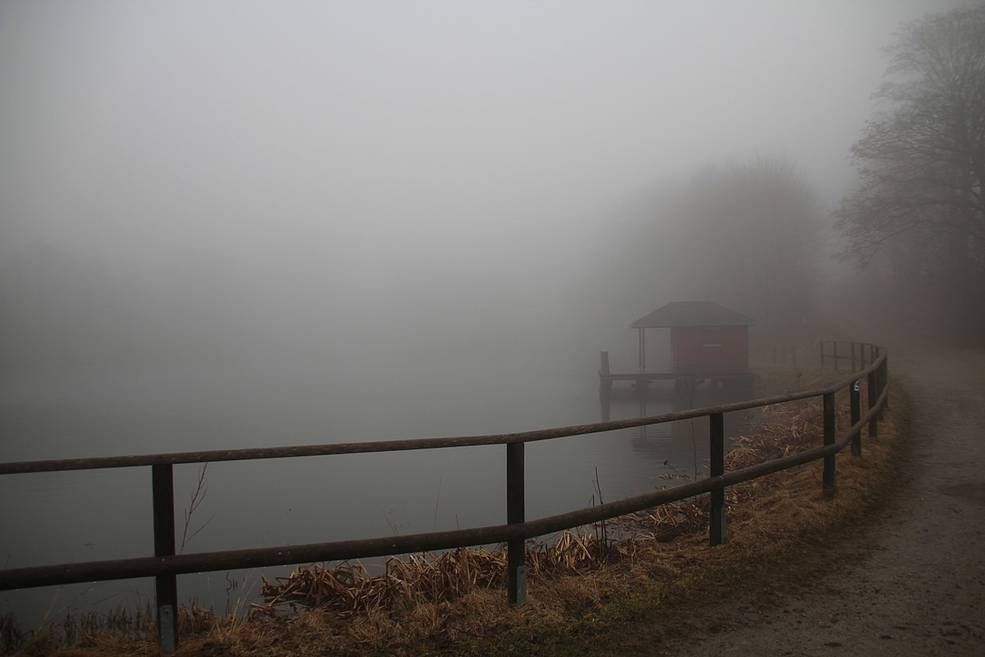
682,446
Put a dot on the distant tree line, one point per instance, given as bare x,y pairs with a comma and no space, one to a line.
746,235
753,230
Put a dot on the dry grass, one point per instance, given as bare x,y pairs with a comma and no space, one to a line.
349,590
454,603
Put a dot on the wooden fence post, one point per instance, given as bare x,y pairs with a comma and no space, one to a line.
856,405
884,383
829,439
717,529
872,392
165,586
516,571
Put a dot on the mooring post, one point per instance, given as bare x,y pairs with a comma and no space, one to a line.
165,586
516,571
856,404
605,385
717,529
829,439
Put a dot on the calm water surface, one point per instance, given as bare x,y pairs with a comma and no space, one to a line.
80,516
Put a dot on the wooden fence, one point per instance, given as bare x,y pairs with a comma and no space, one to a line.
165,565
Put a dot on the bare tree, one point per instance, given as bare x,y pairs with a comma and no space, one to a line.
922,162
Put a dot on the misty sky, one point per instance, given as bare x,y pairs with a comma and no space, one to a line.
436,113
393,153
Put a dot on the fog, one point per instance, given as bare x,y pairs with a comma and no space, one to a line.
232,224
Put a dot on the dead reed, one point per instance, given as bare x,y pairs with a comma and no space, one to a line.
348,588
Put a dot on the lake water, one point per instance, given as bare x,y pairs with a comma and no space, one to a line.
80,516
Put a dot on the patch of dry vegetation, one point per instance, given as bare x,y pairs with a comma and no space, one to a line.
582,583
349,590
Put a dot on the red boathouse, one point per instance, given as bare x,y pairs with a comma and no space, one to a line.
705,338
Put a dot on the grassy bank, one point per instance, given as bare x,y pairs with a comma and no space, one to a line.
588,593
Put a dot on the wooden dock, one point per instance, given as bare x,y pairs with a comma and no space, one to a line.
608,377
685,383
637,376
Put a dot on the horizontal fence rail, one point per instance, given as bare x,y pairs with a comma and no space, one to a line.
165,565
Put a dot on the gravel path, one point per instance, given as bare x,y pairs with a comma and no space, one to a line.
913,582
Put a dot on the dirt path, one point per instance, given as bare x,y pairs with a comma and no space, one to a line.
913,582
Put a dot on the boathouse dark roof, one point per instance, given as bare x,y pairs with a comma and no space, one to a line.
692,313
